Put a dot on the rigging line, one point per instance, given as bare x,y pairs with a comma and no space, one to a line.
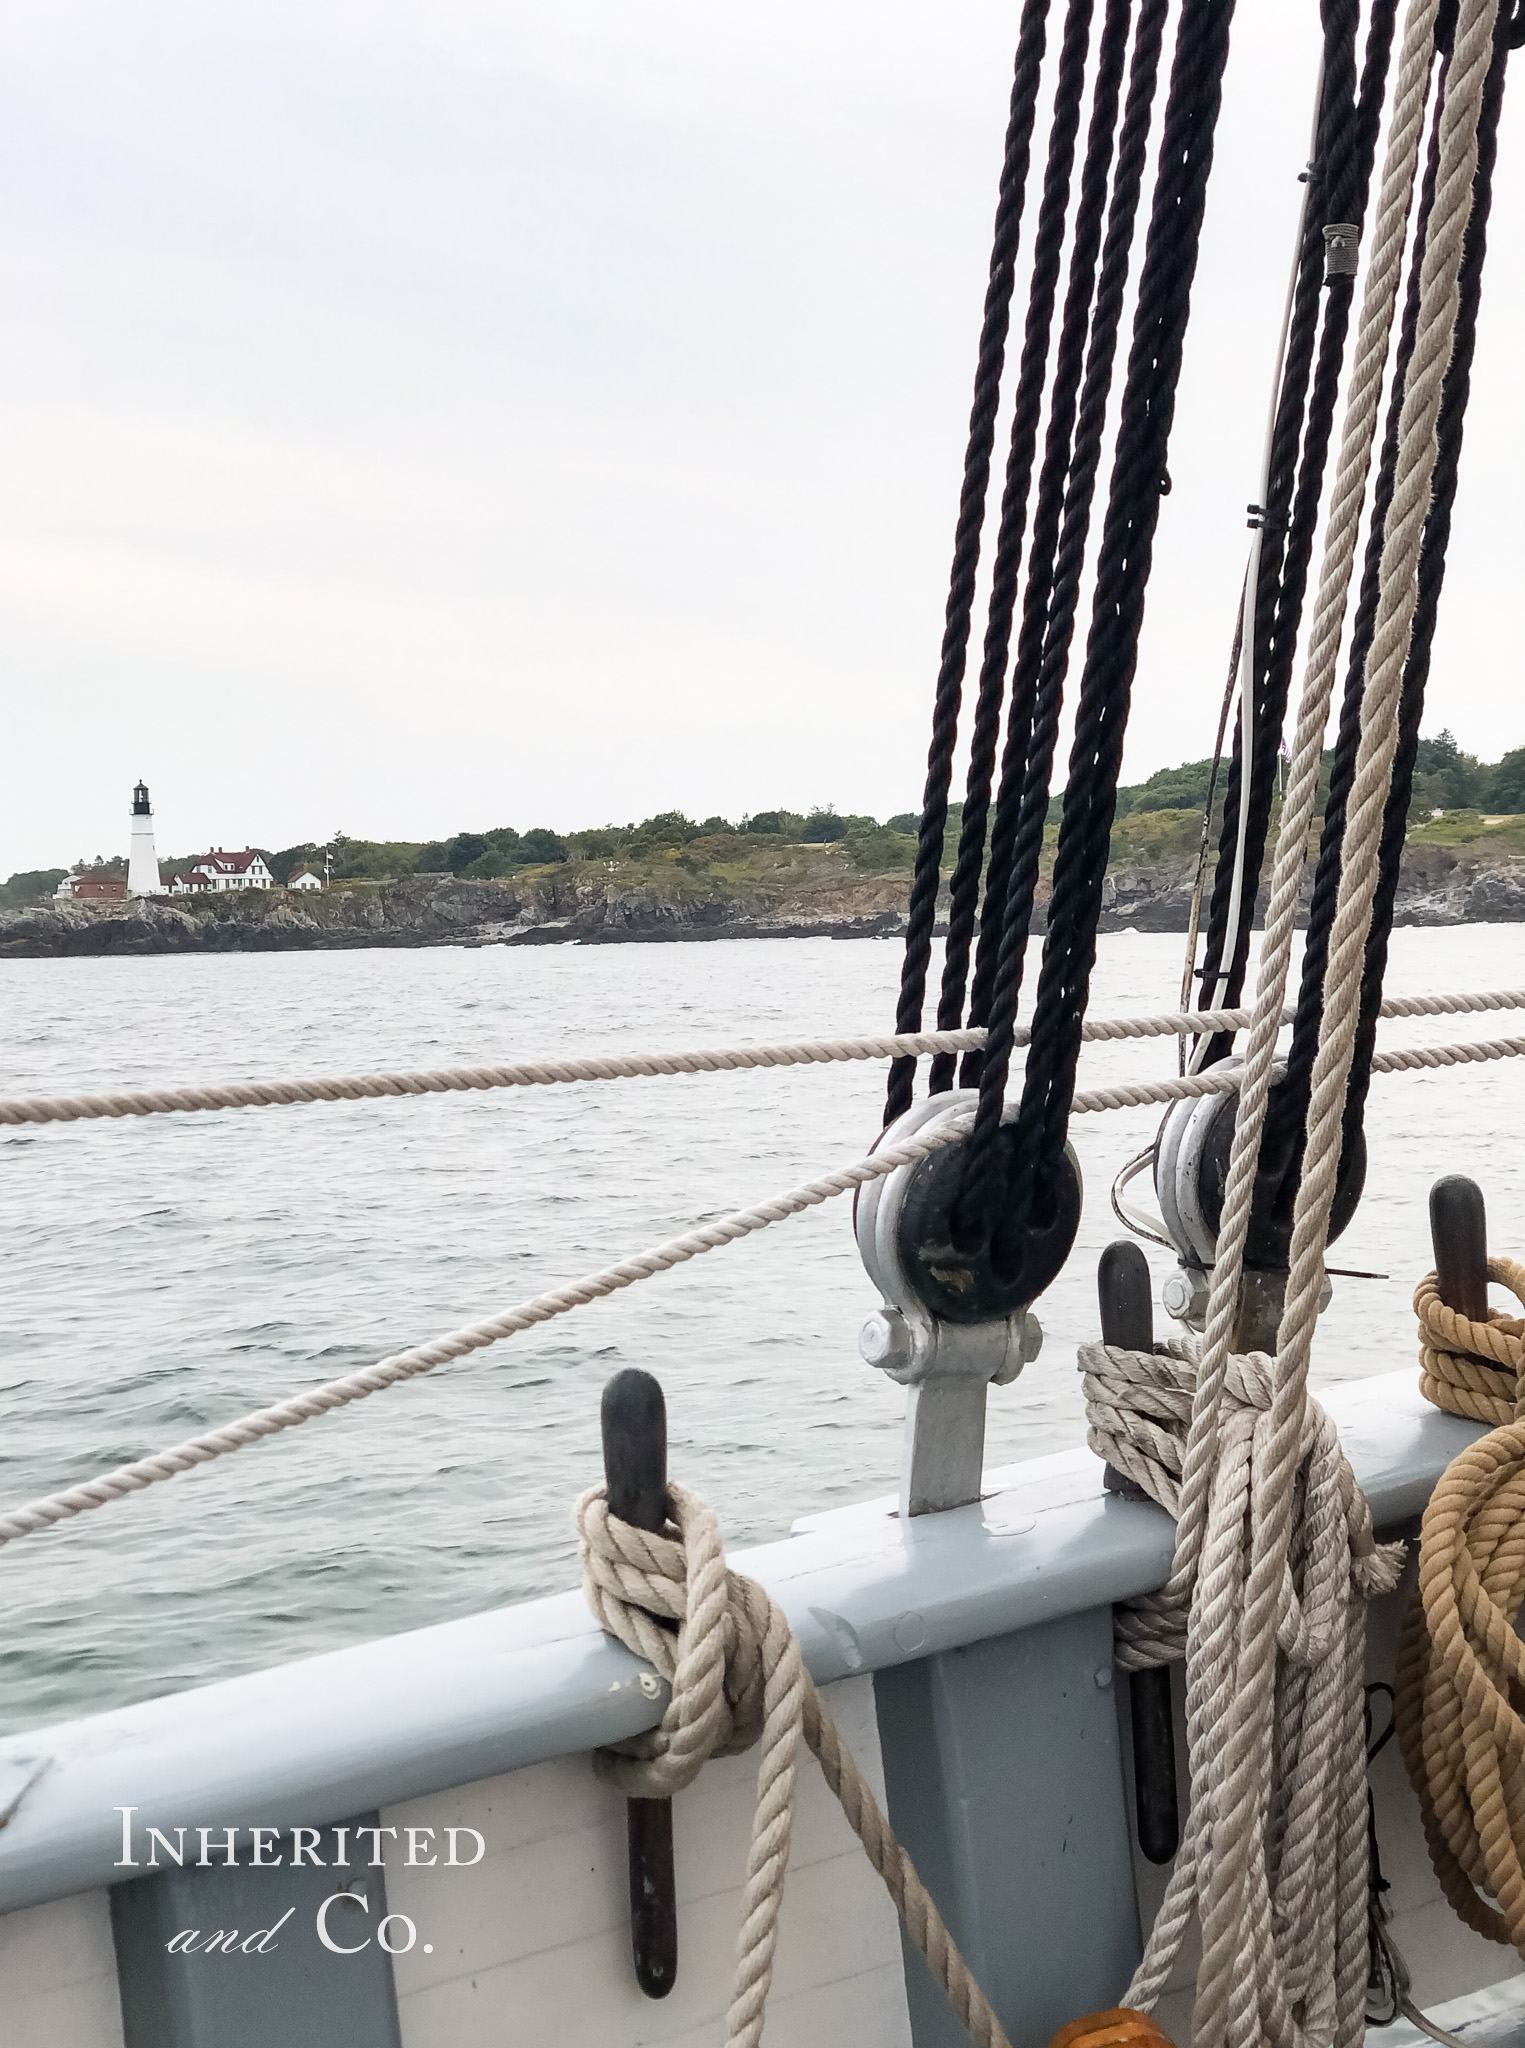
391,1371
1056,560
1432,568
1139,480
1347,149
1204,846
1047,631
1048,249
1251,592
404,1365
53,1109
959,616
1341,534
1231,1783
1284,1117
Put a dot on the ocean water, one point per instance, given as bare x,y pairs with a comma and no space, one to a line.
161,1275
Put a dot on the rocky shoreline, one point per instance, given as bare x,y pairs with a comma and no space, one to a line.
578,904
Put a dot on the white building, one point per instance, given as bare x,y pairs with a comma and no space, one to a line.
220,869
142,865
305,879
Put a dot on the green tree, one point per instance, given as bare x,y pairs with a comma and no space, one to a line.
33,885
1505,786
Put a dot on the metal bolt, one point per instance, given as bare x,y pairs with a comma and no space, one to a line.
1183,1294
1104,1678
650,1684
885,1340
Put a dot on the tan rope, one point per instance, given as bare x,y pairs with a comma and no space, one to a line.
737,1678
1139,1406
1469,1368
1460,1665
253,1428
1233,1904
1242,1778
52,1109
404,1365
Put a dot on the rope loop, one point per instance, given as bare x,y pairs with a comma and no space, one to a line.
1473,1369
716,1637
725,1647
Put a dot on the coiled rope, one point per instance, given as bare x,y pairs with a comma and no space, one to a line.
1469,1368
733,1059
738,1679
1461,1666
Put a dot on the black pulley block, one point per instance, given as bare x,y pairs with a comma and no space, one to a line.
1268,1247
982,1285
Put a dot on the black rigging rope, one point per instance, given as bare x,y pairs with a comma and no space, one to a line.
1031,40
1061,529
1061,521
1139,480
1344,155
1048,246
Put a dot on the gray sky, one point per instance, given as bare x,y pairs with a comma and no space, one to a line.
425,416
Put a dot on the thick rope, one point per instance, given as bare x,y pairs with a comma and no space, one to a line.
737,1678
1231,2005
1341,535
1032,36
1240,1982
55,1109
1139,1407
1139,482
1468,1368
1461,1666
1027,407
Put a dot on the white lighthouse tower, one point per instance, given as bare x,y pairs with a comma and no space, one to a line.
142,864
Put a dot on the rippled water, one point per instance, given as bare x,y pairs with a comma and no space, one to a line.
165,1274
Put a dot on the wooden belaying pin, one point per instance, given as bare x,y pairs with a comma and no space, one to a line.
1127,1320
1459,1233
634,1419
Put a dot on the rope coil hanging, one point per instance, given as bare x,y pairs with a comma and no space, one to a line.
1471,1368
1461,1665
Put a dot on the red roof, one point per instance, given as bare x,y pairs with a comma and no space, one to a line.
223,863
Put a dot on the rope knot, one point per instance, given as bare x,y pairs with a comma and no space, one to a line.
725,1647
1139,1408
716,1637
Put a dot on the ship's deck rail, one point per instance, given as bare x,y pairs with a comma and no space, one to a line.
414,1714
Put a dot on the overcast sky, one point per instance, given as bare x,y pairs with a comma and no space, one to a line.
434,414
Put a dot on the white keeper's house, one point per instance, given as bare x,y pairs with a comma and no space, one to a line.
221,869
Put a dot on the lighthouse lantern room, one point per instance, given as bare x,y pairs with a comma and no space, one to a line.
142,864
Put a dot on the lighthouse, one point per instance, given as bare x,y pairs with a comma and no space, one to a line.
142,865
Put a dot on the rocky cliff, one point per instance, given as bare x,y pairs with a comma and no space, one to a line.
825,896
